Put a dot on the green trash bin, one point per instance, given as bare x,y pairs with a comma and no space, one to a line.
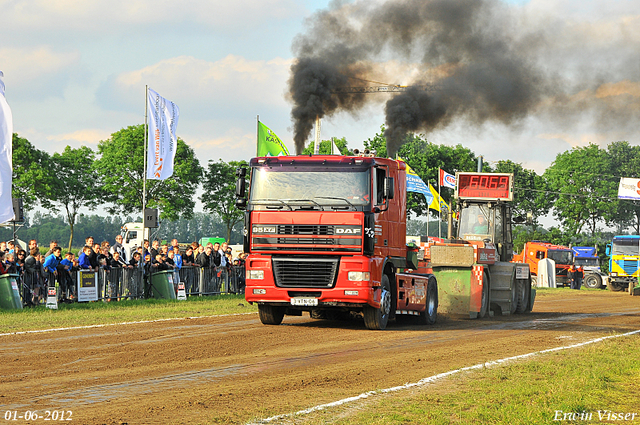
10,292
162,285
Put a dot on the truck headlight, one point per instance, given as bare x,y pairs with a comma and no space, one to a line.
614,274
359,276
255,274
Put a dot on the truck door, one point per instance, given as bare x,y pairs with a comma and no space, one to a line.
382,218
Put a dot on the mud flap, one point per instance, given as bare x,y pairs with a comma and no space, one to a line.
459,290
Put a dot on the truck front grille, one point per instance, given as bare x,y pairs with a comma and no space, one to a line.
305,272
629,267
307,237
305,229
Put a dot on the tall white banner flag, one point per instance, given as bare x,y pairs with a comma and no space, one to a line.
162,136
6,164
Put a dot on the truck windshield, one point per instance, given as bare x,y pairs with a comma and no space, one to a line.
587,262
475,222
560,257
624,247
332,186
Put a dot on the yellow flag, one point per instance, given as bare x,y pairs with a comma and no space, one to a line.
437,203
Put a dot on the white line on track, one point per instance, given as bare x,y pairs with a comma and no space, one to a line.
434,378
37,331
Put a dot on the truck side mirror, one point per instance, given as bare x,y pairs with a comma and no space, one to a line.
241,187
389,187
607,250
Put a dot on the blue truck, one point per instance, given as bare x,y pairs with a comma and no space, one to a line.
587,258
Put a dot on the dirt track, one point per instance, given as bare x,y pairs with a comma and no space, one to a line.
233,369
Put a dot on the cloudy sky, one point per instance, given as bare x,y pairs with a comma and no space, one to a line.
75,72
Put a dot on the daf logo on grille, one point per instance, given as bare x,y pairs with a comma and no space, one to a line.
264,229
348,231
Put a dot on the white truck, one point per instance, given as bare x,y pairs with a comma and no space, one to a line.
133,237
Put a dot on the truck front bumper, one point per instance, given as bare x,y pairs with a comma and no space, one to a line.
344,292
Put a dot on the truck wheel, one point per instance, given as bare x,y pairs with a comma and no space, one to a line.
484,305
615,286
270,315
377,318
593,281
524,293
430,314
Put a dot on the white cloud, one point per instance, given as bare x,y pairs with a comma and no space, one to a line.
23,66
107,16
87,136
199,86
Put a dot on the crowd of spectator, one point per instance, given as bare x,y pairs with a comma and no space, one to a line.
36,272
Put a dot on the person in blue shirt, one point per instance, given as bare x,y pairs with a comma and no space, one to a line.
51,263
67,261
83,260
66,268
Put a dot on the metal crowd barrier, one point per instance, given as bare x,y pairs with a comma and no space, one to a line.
122,283
125,283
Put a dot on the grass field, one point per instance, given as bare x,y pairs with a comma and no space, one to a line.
587,383
592,382
97,313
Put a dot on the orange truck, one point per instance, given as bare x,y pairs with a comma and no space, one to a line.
535,251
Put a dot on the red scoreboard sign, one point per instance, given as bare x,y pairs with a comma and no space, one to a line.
486,186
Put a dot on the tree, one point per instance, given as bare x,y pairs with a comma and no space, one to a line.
584,198
325,147
625,162
219,195
31,180
74,183
426,159
120,168
531,190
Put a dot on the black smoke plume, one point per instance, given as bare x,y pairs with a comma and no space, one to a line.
485,62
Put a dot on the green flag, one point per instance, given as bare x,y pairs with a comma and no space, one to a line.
268,143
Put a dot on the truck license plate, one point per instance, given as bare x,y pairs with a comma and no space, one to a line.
312,302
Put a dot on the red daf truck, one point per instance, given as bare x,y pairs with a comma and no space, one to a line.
326,234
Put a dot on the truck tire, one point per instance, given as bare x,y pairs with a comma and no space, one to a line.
377,318
615,286
524,293
270,315
430,314
515,296
593,280
484,305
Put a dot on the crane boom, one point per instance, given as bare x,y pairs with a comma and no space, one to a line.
387,89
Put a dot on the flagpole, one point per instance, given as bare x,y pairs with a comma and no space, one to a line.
316,145
257,135
428,214
439,210
144,171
